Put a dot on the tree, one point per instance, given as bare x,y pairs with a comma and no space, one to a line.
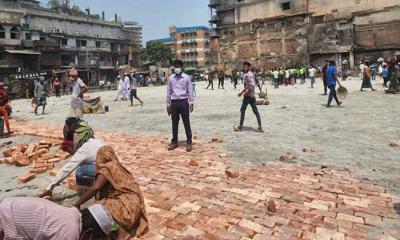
54,4
156,52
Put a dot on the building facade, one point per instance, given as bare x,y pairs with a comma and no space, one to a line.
34,39
136,30
274,33
191,45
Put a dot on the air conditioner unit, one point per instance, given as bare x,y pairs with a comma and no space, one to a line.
76,33
59,30
44,29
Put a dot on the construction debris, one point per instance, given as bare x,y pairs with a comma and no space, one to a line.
38,156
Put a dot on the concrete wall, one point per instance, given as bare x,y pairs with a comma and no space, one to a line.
344,8
258,9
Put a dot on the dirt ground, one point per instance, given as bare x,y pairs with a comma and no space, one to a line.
355,135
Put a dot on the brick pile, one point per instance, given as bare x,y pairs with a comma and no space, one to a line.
37,156
202,195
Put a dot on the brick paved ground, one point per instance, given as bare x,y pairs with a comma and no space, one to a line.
186,201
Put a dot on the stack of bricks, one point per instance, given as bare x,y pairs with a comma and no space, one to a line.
38,156
190,196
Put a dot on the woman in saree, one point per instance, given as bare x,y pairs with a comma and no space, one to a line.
118,191
393,77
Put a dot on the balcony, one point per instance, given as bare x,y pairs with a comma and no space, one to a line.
46,43
215,3
215,19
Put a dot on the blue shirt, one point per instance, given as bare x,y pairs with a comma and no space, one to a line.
385,72
330,75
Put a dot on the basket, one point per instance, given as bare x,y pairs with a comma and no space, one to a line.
342,92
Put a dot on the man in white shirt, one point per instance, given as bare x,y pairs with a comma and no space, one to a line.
362,66
133,92
275,74
83,160
78,90
311,73
126,86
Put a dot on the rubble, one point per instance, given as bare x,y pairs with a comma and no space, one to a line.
193,163
38,156
394,143
271,206
26,178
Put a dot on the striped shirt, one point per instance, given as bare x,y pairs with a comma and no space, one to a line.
38,219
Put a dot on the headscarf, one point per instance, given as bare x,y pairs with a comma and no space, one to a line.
124,198
84,133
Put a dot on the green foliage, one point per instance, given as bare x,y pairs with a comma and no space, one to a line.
53,4
156,52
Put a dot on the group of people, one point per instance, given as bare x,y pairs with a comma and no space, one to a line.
127,88
119,210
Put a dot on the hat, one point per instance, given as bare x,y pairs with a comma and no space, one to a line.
73,72
102,217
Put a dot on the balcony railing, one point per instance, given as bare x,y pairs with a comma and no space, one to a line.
215,3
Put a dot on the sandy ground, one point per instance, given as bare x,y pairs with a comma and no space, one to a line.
355,136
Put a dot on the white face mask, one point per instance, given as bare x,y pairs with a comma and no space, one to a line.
178,70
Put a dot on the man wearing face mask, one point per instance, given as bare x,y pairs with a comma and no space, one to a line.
180,102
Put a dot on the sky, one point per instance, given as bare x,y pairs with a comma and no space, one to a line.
156,16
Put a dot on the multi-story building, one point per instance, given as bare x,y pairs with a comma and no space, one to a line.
272,33
190,44
136,29
34,39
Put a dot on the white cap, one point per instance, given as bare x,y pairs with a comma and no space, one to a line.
103,217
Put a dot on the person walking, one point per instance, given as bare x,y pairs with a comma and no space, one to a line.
40,95
311,74
366,83
385,74
324,77
249,98
180,103
57,87
221,79
120,88
275,75
332,79
235,78
78,90
393,78
126,86
209,78
133,92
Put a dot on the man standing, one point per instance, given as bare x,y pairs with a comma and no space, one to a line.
180,102
235,78
210,79
311,74
249,97
275,75
331,74
221,79
133,93
57,87
324,77
40,95
79,88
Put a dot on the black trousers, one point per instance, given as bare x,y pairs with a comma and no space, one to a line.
325,87
221,82
210,83
180,108
58,91
235,82
252,101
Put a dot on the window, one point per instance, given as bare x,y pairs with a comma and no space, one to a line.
64,42
2,32
81,43
286,6
28,36
14,33
98,44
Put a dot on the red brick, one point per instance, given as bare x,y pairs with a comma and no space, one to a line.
39,170
26,178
